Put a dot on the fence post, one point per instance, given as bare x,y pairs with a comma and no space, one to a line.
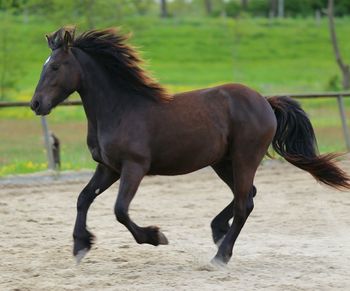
343,121
51,164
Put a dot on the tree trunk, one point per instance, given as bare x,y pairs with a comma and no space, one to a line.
345,69
346,78
273,8
208,6
3,65
163,9
244,4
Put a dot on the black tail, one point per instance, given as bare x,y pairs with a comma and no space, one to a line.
296,142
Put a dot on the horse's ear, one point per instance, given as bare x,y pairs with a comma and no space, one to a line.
67,40
50,41
68,37
54,40
61,38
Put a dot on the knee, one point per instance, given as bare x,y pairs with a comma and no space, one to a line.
84,201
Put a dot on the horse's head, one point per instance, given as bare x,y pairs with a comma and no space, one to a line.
60,75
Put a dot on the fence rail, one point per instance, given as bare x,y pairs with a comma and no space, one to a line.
337,95
4,104
297,96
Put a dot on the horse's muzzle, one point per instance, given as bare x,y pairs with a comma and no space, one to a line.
39,107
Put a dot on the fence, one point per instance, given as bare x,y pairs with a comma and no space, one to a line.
338,95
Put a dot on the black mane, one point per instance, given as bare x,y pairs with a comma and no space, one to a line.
109,48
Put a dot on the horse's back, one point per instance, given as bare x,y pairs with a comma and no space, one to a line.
241,105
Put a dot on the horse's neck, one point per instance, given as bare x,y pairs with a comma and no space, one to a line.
99,95
104,98
96,96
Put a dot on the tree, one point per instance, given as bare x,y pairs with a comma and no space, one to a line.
273,8
208,6
11,64
244,4
163,9
142,6
345,69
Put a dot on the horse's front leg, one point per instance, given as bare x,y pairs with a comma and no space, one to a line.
131,176
102,179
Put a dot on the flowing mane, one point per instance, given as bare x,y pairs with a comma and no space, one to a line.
110,49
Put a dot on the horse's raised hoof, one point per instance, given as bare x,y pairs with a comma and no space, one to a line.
155,236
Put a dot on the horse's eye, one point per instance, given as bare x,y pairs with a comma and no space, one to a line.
55,67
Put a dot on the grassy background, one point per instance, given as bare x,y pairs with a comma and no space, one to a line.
290,55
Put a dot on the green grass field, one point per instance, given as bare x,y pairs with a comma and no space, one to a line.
291,55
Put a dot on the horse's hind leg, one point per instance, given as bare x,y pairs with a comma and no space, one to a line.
220,224
101,180
246,158
131,176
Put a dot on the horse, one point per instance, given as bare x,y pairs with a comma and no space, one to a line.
136,128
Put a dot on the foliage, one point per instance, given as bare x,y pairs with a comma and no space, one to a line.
93,10
10,68
293,8
334,84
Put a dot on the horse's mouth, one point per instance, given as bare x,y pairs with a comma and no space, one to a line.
43,113
41,108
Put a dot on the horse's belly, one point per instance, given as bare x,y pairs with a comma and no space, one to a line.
178,161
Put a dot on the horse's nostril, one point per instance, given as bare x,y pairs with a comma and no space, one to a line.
35,105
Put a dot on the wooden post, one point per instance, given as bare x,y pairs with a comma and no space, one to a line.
343,121
51,164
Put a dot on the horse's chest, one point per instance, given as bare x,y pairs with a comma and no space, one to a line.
106,157
114,144
100,151
113,151
96,154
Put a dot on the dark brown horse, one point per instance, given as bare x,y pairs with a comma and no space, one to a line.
136,129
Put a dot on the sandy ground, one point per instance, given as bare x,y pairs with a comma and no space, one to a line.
297,238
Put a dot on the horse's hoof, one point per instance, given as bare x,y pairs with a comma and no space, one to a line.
80,255
155,236
162,238
82,245
218,262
